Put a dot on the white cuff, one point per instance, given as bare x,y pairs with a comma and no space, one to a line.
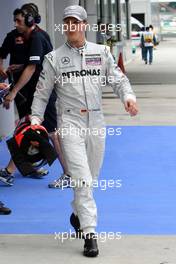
35,120
131,97
88,230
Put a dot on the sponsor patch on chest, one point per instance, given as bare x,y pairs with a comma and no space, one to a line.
93,59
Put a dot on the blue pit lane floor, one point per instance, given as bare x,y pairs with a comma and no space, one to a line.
142,160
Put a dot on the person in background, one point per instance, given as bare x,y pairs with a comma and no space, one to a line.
148,41
27,46
4,210
142,45
151,28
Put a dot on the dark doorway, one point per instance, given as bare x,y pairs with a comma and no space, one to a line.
140,17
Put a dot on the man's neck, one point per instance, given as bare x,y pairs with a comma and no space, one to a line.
29,31
77,44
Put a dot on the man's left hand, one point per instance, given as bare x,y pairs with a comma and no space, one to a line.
3,86
131,107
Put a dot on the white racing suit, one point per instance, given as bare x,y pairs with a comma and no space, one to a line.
78,76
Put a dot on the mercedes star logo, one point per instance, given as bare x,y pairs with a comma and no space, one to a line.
65,60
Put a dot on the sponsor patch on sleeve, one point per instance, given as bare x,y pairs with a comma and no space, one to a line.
34,58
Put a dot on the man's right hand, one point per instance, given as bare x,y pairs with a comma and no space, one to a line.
3,73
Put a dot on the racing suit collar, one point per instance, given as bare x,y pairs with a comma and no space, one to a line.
77,50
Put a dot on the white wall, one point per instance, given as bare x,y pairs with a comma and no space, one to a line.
151,10
142,6
91,8
42,10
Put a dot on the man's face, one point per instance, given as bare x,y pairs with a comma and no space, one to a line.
74,29
20,24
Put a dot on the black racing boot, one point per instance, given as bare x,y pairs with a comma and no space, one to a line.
4,210
74,221
90,246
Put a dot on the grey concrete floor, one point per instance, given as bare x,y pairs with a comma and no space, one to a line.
128,250
156,91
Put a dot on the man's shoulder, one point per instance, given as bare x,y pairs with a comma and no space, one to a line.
37,33
61,49
43,33
93,44
104,50
40,34
12,34
58,52
42,37
97,47
51,57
